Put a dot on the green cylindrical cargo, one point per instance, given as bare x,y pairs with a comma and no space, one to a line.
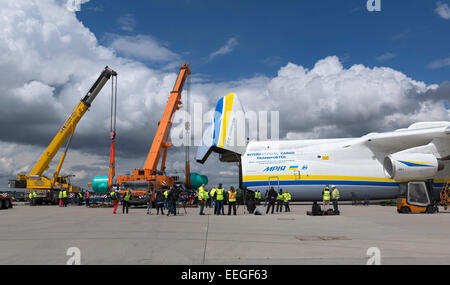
100,184
197,180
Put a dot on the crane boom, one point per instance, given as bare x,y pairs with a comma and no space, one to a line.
150,177
69,126
160,141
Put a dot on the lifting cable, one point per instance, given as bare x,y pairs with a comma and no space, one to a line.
113,107
187,166
188,117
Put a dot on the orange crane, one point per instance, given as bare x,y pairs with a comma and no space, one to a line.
149,177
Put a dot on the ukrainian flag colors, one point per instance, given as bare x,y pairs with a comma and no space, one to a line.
222,120
228,105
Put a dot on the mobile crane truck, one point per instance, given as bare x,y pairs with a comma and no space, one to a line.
47,189
150,177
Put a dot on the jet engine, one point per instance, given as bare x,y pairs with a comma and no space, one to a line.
411,166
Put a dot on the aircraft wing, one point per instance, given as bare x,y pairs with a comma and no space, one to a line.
400,140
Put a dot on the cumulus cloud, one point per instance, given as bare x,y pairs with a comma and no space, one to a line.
48,61
443,10
331,101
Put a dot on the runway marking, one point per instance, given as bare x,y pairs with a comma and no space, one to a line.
206,242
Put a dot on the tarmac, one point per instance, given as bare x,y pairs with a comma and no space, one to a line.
43,235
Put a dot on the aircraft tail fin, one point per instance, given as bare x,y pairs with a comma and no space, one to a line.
227,133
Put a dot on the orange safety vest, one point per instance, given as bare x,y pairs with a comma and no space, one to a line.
232,196
88,195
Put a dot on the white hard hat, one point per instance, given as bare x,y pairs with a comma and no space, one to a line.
334,186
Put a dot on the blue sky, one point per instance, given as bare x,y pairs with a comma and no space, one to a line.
407,35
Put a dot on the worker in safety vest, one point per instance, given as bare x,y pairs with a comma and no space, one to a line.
30,198
280,201
34,198
80,199
201,198
326,194
220,192
287,197
213,198
256,196
114,199
207,199
60,198
126,201
87,195
232,201
65,198
336,196
166,201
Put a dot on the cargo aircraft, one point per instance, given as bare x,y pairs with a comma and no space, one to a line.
375,166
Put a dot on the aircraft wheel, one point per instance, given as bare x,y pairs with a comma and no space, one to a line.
1,204
6,204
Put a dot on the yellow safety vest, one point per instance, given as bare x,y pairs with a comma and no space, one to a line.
326,195
212,192
231,196
206,195
220,194
280,196
201,193
336,195
166,193
65,194
127,197
30,195
34,195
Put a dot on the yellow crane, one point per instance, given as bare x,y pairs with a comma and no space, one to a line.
46,188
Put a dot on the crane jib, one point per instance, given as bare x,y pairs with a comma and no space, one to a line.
71,123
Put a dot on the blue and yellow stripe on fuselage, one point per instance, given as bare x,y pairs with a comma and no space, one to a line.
309,187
